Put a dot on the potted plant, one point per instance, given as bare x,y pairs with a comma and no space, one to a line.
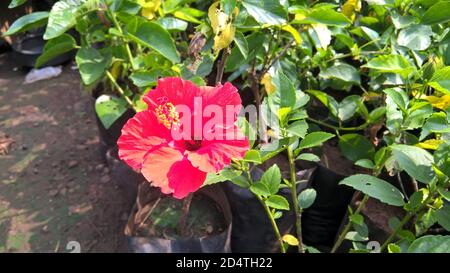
174,144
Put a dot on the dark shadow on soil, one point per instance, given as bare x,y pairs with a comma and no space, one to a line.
54,187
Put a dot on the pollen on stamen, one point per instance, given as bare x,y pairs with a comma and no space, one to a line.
167,115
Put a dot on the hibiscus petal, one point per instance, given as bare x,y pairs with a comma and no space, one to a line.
158,164
174,90
221,95
141,134
215,154
185,178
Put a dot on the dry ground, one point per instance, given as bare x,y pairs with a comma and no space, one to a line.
54,186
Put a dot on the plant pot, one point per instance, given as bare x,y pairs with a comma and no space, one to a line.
214,243
321,221
252,230
27,49
126,178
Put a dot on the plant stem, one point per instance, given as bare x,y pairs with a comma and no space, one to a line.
297,209
357,128
405,220
269,214
127,46
122,93
221,65
276,58
347,227
150,212
186,205
397,229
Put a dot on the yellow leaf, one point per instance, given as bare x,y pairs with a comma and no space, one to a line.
300,16
438,102
213,14
293,32
430,144
349,8
268,84
291,240
224,38
221,26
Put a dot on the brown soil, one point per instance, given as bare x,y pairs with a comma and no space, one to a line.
204,219
54,186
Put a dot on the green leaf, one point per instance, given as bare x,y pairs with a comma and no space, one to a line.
444,194
418,112
145,78
393,248
402,21
240,181
16,3
356,147
442,158
355,237
266,11
56,47
356,219
430,244
224,175
441,80
323,15
343,72
375,188
391,64
253,156
377,114
306,198
326,100
365,163
415,37
277,202
189,14
64,15
272,179
91,64
171,23
443,216
241,43
314,139
320,35
284,95
437,14
415,161
399,97
109,109
236,61
27,22
259,188
247,129
154,36
298,128
308,157
228,6
437,123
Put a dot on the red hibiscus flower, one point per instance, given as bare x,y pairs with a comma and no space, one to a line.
186,132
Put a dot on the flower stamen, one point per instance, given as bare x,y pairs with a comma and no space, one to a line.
167,115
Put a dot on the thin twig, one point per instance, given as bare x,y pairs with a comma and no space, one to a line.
276,58
186,205
122,93
149,212
221,65
347,227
